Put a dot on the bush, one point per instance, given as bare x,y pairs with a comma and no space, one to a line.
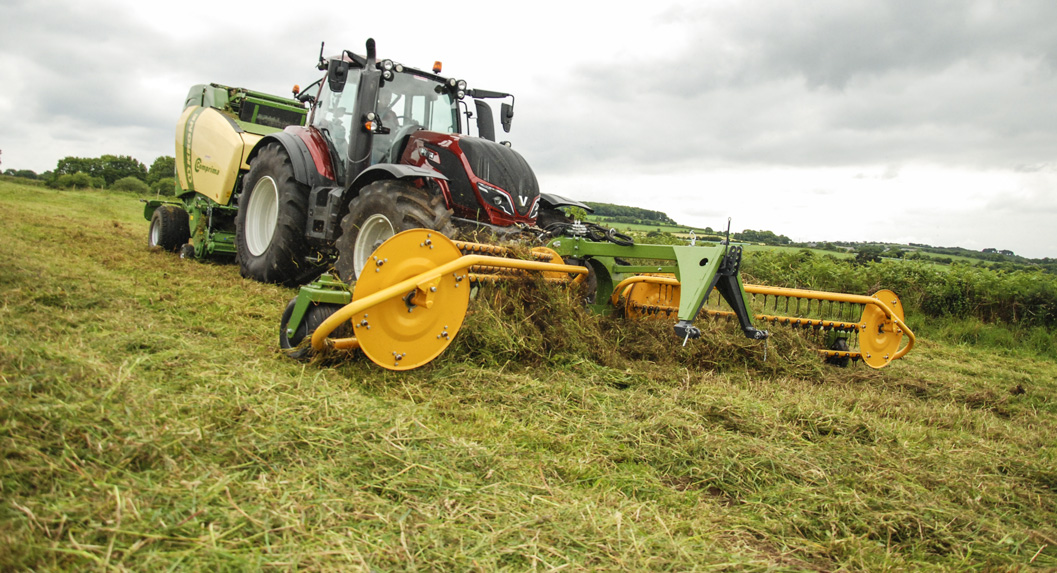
164,186
131,184
79,180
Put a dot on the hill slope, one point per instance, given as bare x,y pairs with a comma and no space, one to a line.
147,421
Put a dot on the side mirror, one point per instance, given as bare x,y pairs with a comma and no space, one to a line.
506,115
485,122
337,75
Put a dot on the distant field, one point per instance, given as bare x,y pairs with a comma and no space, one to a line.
148,422
682,232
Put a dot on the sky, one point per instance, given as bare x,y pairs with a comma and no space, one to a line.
921,121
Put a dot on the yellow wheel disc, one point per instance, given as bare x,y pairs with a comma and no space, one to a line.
880,337
413,328
648,298
555,258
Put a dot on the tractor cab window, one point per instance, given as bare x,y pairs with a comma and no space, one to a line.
409,103
333,115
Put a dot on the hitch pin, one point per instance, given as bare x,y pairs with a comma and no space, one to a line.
686,338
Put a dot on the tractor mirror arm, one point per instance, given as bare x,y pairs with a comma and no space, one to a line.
487,94
506,113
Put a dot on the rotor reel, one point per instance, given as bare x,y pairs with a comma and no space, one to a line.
410,330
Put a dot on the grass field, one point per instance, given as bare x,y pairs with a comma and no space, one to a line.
148,422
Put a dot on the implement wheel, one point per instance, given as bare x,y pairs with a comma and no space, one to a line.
413,328
880,337
269,228
383,209
169,228
314,316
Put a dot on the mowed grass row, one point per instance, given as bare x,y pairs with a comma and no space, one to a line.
147,421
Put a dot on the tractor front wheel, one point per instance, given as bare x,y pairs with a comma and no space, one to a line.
383,209
269,228
169,228
549,216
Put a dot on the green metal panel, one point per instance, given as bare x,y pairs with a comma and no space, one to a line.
698,269
325,290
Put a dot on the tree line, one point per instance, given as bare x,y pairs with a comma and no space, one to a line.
118,172
625,214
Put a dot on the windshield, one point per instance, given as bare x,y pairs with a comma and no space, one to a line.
333,115
411,102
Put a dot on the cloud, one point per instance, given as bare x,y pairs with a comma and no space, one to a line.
823,83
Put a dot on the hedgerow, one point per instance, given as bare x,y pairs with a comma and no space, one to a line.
1017,297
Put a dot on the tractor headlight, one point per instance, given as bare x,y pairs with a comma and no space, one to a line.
496,197
388,67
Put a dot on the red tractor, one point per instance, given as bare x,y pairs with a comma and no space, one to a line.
384,149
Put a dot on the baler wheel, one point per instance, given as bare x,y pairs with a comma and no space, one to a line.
169,228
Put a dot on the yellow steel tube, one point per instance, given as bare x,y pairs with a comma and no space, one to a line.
462,263
812,294
495,278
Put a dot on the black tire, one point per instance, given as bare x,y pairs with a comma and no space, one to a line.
549,216
841,345
270,239
314,316
383,209
169,228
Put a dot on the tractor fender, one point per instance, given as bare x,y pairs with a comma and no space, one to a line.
390,171
556,201
305,170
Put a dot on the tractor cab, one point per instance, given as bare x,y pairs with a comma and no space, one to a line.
404,101
376,115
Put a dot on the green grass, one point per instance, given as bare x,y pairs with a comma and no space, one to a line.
148,422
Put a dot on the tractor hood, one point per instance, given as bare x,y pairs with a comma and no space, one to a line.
487,180
500,166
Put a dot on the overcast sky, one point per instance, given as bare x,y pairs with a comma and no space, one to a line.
905,121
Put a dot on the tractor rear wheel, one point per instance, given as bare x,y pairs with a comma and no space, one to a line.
383,209
269,228
169,228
